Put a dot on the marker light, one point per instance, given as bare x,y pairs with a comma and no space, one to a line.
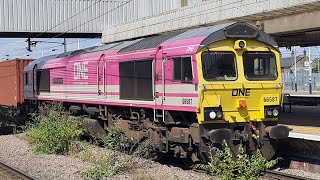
269,112
212,115
219,114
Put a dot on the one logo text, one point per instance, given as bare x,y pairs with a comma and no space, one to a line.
80,70
240,92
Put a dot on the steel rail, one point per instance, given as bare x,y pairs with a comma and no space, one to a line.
11,173
270,174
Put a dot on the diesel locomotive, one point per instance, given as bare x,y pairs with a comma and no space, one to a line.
184,91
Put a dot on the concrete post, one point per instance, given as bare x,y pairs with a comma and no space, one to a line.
65,44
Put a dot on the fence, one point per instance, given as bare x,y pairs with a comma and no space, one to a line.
302,81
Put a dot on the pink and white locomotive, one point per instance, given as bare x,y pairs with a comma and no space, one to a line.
184,91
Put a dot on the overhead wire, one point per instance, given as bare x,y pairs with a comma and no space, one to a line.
192,15
67,19
174,19
195,14
52,27
126,2
89,21
52,47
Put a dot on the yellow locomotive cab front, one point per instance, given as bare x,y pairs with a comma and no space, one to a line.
240,81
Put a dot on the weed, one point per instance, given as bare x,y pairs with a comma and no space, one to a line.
243,168
52,130
113,159
10,116
108,164
116,140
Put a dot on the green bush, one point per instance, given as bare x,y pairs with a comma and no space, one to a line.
52,130
244,167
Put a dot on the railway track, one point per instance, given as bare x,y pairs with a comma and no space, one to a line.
9,173
281,176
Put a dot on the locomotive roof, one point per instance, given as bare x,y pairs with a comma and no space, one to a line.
149,42
209,34
39,62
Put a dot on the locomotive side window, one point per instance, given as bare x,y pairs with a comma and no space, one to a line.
218,66
136,80
26,78
43,80
182,69
259,66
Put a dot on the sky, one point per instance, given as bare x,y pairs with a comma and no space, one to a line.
11,48
315,51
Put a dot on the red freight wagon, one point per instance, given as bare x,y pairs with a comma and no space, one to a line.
11,81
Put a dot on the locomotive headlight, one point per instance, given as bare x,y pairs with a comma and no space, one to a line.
212,114
269,112
275,112
242,44
272,111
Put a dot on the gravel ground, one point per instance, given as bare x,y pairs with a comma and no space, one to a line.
305,174
147,169
15,151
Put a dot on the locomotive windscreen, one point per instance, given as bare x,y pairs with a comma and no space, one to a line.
260,66
136,80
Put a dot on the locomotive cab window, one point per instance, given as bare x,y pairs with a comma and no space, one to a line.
219,66
182,69
26,78
260,66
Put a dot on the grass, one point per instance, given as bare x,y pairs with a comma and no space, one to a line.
111,160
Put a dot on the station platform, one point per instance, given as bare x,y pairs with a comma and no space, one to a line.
302,98
304,122
315,93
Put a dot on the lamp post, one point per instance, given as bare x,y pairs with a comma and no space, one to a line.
310,72
295,69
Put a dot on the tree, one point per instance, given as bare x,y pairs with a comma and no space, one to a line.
316,65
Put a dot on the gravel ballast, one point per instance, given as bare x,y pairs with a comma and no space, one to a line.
301,173
17,152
